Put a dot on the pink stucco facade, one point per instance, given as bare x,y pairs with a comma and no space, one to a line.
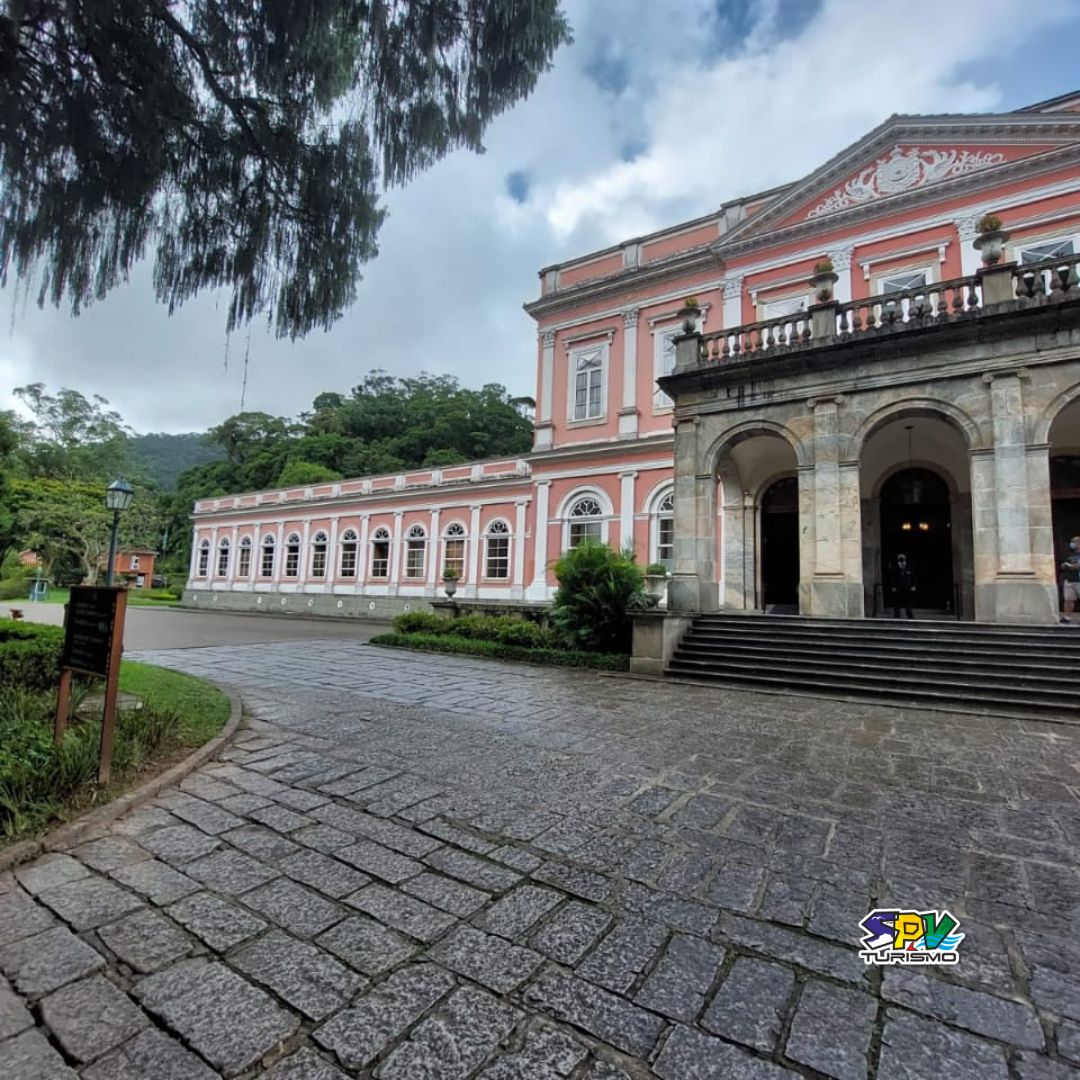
898,206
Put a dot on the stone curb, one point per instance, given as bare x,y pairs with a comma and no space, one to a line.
75,832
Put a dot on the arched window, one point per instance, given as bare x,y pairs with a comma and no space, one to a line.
318,555
415,549
243,567
586,521
380,553
663,532
497,551
454,550
204,558
223,557
292,555
347,566
266,565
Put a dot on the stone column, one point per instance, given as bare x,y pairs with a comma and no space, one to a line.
476,542
737,532
1017,593
626,509
543,433
628,414
693,585
396,542
211,565
538,589
518,588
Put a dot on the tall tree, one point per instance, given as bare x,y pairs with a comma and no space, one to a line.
245,141
9,529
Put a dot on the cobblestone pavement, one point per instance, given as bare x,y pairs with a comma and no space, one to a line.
415,868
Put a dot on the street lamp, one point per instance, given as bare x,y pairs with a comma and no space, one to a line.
118,497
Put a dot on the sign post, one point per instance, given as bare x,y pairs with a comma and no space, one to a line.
93,645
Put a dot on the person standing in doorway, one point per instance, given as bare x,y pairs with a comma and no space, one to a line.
902,587
1071,588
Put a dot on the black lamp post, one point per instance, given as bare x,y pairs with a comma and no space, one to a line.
118,497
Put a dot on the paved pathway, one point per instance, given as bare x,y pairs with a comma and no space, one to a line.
415,868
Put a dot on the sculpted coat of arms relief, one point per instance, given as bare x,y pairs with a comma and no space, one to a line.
901,170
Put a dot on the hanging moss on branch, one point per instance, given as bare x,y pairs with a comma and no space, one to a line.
245,143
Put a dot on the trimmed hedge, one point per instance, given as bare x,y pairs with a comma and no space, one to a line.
503,629
450,643
30,655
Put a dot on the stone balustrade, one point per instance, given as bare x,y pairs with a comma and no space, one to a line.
935,304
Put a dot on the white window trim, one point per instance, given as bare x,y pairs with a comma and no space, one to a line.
325,541
1014,247
381,535
655,501
244,545
223,548
574,354
202,565
463,536
413,534
763,303
268,541
661,403
509,537
607,513
349,537
931,270
292,540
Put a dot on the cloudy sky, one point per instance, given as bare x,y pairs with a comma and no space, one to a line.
659,111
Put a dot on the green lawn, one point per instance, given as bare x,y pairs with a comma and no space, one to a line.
203,708
136,598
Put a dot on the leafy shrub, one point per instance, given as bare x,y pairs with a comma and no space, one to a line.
522,632
421,622
597,589
16,588
655,569
496,650
157,594
29,655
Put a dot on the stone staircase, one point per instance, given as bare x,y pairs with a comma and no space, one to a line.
1030,671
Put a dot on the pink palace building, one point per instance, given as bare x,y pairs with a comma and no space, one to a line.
920,391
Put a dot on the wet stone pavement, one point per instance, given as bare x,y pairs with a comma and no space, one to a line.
413,868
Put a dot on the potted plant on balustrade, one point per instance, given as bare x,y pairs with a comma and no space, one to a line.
656,580
450,580
690,313
824,280
990,243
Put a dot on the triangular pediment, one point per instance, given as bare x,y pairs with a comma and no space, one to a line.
910,156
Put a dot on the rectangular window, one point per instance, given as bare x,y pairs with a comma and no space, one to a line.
267,567
1047,249
497,562
664,363
454,557
380,558
348,559
906,279
780,306
318,561
665,543
414,558
292,560
244,567
223,562
134,562
204,560
588,384
581,531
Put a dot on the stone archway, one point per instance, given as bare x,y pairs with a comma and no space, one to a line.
1064,452
915,493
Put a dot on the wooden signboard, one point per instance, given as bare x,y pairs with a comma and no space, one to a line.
93,644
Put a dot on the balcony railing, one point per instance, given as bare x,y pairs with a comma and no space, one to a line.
936,304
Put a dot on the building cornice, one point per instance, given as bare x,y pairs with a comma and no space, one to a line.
561,454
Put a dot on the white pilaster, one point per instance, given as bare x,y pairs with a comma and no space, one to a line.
396,542
234,554
841,260
474,544
733,301
519,547
362,553
433,549
626,509
970,259
628,414
256,553
279,554
211,565
538,590
331,553
543,432
193,569
304,562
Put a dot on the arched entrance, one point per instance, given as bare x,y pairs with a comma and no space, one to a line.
1065,489
780,546
916,521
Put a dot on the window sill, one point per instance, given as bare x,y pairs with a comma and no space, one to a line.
592,421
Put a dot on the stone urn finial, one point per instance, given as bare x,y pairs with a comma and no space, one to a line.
690,312
450,580
824,280
991,239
